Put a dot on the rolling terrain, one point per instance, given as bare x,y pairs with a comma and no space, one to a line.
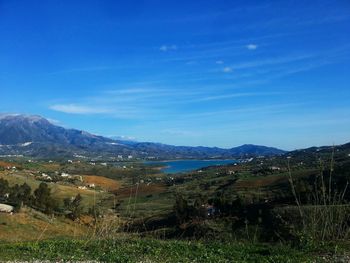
137,208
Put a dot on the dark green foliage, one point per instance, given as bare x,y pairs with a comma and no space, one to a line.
181,209
226,204
19,195
94,211
73,206
4,187
186,210
342,178
16,195
262,171
43,199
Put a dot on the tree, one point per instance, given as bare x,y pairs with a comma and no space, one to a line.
4,187
199,209
43,199
74,206
24,194
181,208
20,194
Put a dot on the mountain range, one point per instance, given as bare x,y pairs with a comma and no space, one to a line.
35,136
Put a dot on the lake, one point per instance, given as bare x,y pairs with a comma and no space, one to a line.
181,166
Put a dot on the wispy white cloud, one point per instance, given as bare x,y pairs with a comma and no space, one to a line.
133,91
54,121
251,46
90,107
166,48
227,69
78,109
235,95
219,62
273,61
138,96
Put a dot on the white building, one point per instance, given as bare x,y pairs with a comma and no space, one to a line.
6,208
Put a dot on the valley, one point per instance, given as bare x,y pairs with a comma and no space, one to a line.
175,131
250,200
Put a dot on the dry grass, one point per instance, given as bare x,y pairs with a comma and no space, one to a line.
51,167
103,182
7,164
19,178
29,224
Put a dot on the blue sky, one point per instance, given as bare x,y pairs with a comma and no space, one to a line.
214,73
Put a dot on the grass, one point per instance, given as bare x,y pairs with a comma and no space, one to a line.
103,182
29,224
326,214
90,197
129,249
145,200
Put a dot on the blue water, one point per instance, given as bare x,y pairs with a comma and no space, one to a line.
181,166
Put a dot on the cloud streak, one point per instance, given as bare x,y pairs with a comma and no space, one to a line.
227,69
78,109
251,46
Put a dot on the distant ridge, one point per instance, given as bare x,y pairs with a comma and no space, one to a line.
33,135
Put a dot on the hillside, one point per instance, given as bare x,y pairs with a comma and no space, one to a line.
35,136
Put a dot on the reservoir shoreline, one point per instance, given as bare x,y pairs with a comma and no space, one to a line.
187,165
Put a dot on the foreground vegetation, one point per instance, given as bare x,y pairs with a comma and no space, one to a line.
152,250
